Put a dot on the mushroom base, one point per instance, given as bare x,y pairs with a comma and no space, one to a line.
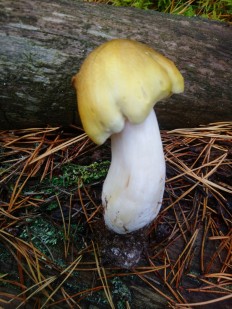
124,251
133,189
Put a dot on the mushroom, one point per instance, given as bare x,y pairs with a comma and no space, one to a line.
117,86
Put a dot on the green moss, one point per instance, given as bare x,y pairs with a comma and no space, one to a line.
70,174
88,174
4,254
120,292
42,233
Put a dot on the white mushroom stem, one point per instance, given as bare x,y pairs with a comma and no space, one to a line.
133,189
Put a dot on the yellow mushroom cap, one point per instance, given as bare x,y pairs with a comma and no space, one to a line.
122,80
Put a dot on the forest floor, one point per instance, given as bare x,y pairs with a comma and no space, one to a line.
51,227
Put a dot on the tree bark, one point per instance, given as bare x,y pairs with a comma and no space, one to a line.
44,43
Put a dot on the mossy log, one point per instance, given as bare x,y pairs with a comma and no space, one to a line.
43,44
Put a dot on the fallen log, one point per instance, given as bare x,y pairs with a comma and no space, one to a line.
43,45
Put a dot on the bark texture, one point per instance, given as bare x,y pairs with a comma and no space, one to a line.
44,43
